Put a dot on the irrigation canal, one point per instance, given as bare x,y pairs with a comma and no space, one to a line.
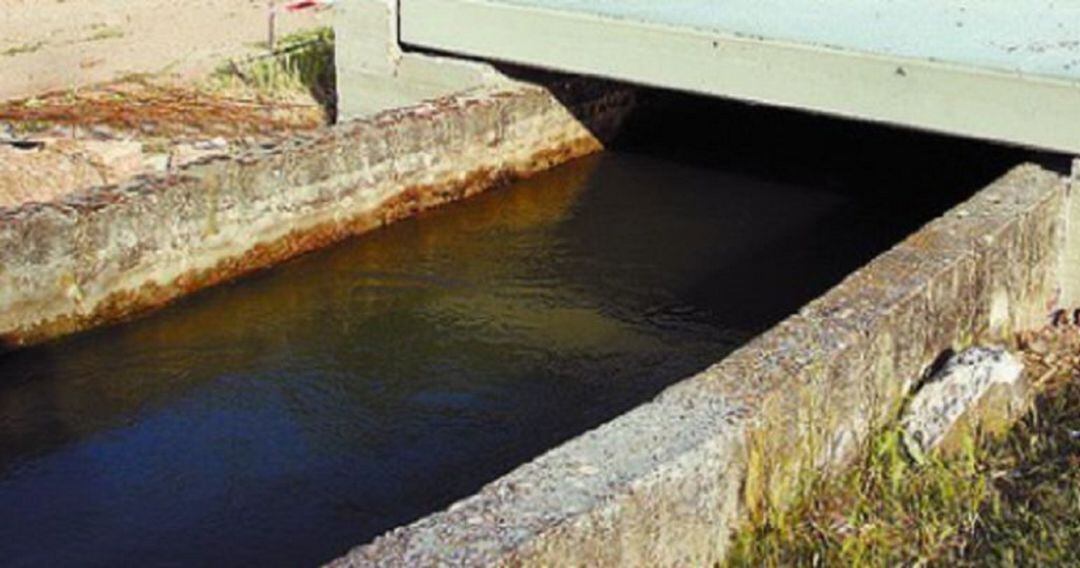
287,417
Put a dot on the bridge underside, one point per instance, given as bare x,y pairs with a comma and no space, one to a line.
1000,70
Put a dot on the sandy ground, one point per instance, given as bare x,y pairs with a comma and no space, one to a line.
141,105
48,45
104,135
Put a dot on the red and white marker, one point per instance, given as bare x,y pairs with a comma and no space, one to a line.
300,5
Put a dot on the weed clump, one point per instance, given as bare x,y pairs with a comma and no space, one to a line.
886,511
301,63
1005,501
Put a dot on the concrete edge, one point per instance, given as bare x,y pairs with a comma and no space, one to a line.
108,253
667,483
1069,298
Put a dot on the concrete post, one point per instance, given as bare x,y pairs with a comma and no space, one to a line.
374,73
1070,265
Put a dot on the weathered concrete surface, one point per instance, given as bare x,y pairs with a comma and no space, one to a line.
52,168
102,255
979,390
1070,266
665,484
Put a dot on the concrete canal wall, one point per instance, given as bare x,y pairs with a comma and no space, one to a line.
664,484
103,255
667,483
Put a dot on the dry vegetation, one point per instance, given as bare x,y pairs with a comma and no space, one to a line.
58,143
1010,501
289,90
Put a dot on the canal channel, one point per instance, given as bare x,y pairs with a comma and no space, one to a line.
286,417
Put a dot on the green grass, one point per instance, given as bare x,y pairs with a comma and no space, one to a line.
303,62
1033,516
1011,501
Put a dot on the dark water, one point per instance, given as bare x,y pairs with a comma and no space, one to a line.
286,418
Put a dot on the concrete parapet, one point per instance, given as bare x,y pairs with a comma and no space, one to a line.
667,483
97,256
1069,298
374,73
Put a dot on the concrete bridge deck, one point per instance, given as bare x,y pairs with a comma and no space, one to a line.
1006,70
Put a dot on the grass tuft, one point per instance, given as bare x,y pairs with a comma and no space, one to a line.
1013,500
1033,516
303,63
886,511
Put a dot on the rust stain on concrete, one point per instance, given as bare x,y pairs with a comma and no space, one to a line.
116,244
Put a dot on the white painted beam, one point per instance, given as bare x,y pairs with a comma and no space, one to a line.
1025,93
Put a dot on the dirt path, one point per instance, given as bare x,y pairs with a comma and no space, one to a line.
48,45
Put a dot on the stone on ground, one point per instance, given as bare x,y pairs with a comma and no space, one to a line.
980,389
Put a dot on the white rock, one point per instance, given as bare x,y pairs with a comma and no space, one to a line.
962,384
